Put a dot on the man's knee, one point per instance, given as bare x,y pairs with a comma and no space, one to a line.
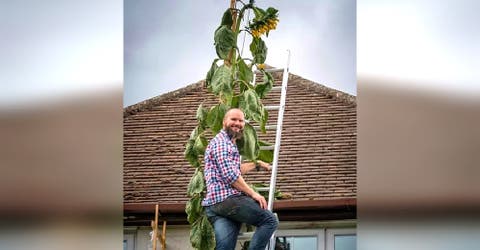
271,220
275,221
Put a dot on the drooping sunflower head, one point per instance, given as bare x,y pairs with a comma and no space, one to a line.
264,21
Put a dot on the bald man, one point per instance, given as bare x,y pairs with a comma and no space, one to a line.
229,200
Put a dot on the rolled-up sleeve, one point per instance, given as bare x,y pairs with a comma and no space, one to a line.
227,164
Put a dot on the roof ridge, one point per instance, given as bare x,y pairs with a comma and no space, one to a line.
154,101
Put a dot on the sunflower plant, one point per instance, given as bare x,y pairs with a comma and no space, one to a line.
230,78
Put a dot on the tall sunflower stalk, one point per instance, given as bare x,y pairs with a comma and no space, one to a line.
231,82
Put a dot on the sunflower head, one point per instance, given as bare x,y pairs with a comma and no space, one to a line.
264,21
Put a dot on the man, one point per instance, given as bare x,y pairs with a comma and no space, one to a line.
229,200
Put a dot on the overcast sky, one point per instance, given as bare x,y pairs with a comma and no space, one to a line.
56,48
61,48
169,44
432,46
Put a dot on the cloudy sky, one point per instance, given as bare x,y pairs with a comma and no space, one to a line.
432,46
169,44
56,48
59,48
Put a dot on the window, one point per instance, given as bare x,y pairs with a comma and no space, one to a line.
296,242
128,242
341,239
316,239
300,239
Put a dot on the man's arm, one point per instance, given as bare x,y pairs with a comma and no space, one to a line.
241,185
249,166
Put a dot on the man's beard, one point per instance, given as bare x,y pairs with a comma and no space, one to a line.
232,134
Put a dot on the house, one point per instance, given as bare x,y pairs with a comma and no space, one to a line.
317,165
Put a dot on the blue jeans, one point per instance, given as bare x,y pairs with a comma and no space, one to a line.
228,215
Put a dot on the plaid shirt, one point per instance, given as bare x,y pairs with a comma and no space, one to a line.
222,168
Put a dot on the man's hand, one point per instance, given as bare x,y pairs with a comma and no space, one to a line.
264,165
261,200
241,185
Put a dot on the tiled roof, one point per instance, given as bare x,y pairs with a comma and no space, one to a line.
317,156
